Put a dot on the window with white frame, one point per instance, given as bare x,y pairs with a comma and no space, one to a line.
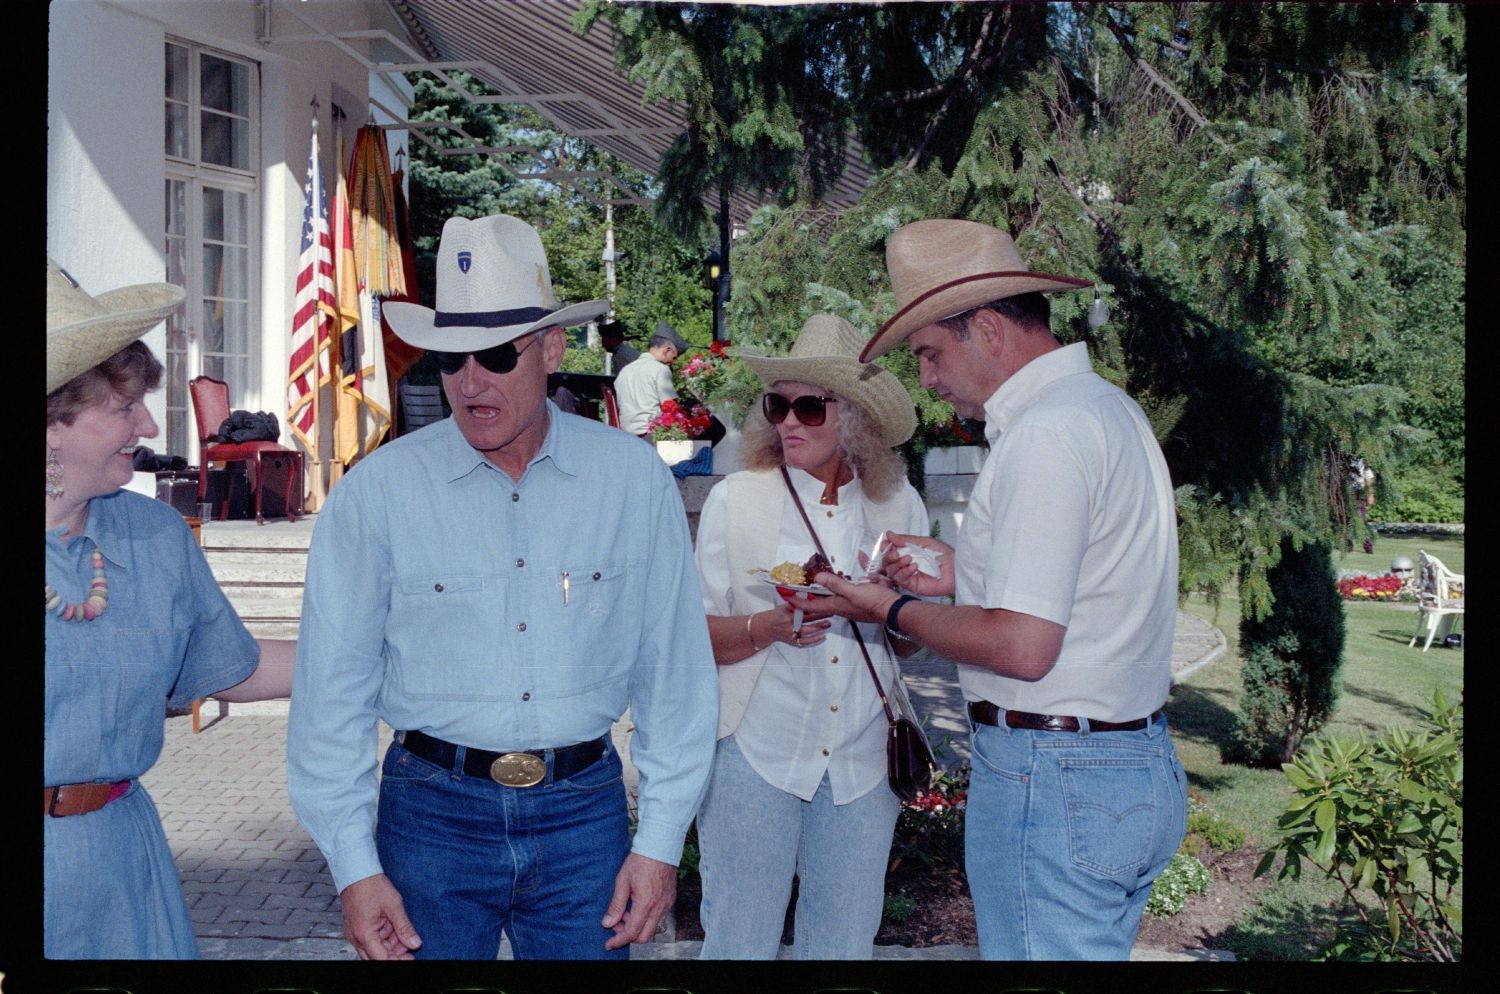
212,135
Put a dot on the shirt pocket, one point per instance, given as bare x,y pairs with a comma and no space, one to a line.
601,621
443,638
140,676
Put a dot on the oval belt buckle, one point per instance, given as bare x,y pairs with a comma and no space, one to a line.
518,769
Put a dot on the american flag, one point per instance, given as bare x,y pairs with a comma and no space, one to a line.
308,366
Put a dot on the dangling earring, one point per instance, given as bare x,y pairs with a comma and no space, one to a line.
54,474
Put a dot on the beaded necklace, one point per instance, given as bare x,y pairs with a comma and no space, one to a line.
93,605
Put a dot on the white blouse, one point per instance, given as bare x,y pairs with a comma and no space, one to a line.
814,709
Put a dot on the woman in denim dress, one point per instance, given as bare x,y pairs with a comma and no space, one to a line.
135,623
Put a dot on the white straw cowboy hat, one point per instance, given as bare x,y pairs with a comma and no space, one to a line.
493,286
83,331
941,268
825,356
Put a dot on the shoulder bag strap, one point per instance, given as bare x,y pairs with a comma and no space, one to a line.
890,716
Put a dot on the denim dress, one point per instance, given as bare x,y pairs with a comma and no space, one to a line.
168,636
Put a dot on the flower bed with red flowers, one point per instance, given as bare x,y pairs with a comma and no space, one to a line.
678,423
1387,587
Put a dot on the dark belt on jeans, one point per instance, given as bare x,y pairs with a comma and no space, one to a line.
986,713
525,768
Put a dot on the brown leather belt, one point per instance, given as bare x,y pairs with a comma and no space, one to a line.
80,798
986,713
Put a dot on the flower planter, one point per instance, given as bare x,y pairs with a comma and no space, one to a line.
953,459
675,451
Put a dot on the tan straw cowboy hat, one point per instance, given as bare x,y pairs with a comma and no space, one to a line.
825,356
493,286
83,331
941,268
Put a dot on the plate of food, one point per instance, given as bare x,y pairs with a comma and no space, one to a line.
792,578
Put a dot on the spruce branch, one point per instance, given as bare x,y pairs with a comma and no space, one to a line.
965,72
1160,81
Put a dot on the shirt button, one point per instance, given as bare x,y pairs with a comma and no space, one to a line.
833,707
596,576
834,660
514,497
829,513
825,752
438,587
520,563
526,696
521,627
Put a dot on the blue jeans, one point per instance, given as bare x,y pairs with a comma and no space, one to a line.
754,837
472,858
1064,833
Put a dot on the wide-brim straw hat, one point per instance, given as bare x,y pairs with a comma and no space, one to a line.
83,330
940,268
493,286
825,355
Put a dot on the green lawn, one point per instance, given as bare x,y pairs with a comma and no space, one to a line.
1384,683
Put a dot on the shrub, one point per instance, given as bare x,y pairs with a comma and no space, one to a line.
1292,657
1184,876
1205,826
930,829
899,907
1384,819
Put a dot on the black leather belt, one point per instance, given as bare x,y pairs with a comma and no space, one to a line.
986,713
526,768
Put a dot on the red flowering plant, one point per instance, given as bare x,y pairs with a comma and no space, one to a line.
930,828
678,423
1360,587
954,431
703,372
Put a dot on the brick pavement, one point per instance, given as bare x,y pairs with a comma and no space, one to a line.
257,888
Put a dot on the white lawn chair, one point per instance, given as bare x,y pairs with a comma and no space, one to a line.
1440,593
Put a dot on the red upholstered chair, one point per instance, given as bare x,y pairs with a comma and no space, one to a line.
210,408
611,407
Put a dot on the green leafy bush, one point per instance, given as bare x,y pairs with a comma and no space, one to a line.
1385,819
930,829
1292,658
899,907
1184,876
1209,829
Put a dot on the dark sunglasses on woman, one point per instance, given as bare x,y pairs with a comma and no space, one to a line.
810,410
500,359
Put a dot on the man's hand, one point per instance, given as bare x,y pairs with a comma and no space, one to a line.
904,571
856,601
375,920
644,889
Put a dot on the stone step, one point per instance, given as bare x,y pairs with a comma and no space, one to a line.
265,603
252,567
271,630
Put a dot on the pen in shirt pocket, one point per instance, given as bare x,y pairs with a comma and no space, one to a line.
565,588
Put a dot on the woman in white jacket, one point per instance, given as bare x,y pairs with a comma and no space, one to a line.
799,779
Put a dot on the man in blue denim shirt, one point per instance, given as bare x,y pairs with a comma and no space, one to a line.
1065,581
498,587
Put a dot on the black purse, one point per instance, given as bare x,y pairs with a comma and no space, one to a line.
909,763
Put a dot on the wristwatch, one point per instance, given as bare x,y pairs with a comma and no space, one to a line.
891,624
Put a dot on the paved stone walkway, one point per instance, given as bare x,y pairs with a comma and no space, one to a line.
258,888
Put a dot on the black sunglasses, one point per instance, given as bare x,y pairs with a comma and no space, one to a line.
500,359
811,411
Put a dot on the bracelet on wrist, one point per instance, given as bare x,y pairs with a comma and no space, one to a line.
749,633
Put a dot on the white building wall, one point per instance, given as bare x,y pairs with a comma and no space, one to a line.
106,134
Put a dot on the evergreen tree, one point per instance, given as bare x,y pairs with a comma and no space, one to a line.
1255,189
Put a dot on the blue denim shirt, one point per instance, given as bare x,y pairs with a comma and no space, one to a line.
443,596
168,636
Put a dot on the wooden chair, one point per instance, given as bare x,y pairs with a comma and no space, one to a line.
210,408
420,405
1440,594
